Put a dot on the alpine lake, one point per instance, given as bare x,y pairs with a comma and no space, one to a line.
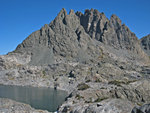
39,98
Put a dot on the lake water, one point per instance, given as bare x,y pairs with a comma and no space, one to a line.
39,98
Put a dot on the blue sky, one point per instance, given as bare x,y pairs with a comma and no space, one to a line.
19,18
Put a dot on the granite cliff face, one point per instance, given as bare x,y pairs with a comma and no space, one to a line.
111,32
99,61
145,44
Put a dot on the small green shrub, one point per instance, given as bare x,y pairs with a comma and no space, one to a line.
82,86
78,96
119,82
128,82
97,80
88,80
116,82
139,104
74,102
100,99
44,73
11,78
89,101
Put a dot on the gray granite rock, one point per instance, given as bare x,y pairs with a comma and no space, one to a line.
143,109
145,44
106,106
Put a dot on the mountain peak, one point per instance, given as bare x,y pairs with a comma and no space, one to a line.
62,13
71,36
71,12
92,11
115,21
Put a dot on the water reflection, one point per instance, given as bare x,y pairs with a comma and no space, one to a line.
40,98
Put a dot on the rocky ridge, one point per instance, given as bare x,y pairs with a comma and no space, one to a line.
78,37
99,61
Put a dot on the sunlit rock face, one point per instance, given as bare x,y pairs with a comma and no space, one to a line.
78,37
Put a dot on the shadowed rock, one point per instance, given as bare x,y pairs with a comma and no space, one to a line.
143,109
145,44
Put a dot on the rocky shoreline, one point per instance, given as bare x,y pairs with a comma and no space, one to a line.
10,106
86,87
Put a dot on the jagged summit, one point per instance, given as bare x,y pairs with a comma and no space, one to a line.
62,13
80,37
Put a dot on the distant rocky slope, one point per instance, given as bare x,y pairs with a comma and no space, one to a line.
99,61
145,44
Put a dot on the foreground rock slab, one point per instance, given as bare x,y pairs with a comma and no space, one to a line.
143,109
10,106
106,106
